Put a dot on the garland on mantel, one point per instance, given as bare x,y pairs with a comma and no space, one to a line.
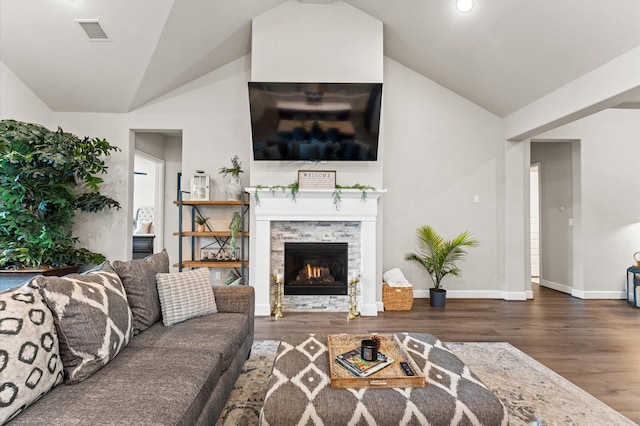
293,189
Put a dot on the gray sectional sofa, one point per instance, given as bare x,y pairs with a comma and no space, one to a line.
179,374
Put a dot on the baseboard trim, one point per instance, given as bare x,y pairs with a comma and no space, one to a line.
262,310
557,286
369,309
517,295
601,295
475,294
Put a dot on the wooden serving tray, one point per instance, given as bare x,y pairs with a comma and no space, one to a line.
391,376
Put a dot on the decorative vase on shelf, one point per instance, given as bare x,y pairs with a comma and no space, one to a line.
233,190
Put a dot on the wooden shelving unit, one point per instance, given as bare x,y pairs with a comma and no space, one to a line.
219,240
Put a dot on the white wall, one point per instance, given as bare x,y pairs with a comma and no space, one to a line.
297,42
608,85
213,115
172,166
18,102
610,206
441,152
107,232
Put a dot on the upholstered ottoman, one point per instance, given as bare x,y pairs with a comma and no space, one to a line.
300,392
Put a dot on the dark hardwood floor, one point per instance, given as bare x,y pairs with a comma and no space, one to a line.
593,343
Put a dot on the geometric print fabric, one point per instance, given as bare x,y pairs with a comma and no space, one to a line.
29,356
300,393
92,317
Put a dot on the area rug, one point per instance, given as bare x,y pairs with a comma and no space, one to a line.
531,393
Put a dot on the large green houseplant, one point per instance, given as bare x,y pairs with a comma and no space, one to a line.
45,177
439,257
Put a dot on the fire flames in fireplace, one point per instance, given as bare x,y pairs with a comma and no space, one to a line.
315,274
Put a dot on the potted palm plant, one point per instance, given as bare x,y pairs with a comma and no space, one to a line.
201,222
439,257
45,178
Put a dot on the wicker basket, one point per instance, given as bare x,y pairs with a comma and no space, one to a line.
397,298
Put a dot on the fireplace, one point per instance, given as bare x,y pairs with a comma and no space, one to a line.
316,268
314,218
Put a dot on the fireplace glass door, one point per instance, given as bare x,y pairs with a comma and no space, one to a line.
316,268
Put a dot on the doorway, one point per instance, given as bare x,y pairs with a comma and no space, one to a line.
157,158
554,163
534,220
148,193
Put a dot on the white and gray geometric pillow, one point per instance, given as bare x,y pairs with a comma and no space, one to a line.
185,295
92,317
29,355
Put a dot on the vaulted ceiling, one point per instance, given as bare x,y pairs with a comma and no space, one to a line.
502,55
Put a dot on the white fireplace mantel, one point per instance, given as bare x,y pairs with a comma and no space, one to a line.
313,205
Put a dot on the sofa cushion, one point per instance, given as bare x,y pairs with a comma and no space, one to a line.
141,386
29,355
185,295
92,318
222,333
139,281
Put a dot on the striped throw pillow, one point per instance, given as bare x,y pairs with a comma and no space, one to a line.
185,295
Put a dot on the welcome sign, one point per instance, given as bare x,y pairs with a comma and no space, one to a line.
316,179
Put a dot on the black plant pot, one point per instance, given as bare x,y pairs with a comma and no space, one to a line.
437,297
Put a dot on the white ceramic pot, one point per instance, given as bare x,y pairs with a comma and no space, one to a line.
233,190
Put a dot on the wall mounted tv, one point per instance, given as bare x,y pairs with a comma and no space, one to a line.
315,121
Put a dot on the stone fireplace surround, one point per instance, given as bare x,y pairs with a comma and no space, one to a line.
315,231
314,205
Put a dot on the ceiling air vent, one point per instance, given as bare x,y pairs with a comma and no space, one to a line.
93,29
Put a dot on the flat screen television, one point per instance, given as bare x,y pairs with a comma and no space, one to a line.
315,121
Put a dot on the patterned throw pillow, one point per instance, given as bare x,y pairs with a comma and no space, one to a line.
139,280
185,295
29,356
92,318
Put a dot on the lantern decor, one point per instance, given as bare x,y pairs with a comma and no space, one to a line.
200,186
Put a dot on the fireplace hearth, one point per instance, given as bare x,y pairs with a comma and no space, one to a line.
318,268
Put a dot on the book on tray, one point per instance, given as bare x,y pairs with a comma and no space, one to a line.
355,364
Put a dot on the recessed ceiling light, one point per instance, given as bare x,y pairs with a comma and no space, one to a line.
464,5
